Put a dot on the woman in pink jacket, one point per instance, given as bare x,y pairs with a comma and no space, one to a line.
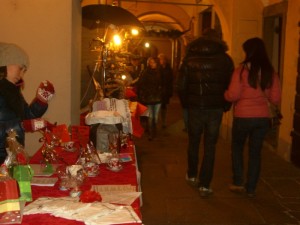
253,83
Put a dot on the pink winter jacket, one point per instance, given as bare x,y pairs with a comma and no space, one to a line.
247,101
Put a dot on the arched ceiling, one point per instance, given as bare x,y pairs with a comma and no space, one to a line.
166,14
159,21
159,14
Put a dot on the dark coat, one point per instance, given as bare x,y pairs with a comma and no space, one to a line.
167,83
13,110
149,87
205,74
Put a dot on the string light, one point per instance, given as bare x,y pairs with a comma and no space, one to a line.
134,32
117,39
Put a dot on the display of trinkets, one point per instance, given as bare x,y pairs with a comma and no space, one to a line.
17,163
10,204
69,146
114,141
51,141
71,178
90,160
16,153
114,162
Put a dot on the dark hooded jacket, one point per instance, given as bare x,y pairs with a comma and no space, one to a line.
205,74
13,110
149,87
167,83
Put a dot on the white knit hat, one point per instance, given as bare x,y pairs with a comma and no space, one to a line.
11,54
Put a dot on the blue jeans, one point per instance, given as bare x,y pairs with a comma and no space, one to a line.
205,122
153,118
255,130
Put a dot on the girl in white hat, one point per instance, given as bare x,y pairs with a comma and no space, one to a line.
15,112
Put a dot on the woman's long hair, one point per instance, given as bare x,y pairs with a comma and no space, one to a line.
261,69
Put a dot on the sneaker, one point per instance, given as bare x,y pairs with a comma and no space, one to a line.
205,192
251,194
237,188
193,181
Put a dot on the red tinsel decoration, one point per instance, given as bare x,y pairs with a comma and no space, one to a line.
90,196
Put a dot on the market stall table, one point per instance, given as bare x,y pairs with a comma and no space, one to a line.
128,175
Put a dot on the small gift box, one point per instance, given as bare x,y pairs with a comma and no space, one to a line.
10,211
17,165
23,174
61,131
25,191
8,189
9,201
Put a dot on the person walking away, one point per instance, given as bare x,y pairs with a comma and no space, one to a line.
167,86
203,78
149,92
183,105
15,112
253,82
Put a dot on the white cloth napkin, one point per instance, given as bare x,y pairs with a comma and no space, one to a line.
96,213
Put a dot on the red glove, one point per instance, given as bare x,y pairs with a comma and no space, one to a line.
45,91
37,124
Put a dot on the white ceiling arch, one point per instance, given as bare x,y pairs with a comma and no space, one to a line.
163,15
153,20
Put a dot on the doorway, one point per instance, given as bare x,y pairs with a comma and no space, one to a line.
273,35
295,154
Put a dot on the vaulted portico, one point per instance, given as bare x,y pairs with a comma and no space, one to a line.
51,32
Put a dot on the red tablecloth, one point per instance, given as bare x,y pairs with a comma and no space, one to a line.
128,175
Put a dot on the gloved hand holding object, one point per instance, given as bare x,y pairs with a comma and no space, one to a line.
36,124
45,91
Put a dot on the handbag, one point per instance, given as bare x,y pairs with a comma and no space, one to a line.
275,115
